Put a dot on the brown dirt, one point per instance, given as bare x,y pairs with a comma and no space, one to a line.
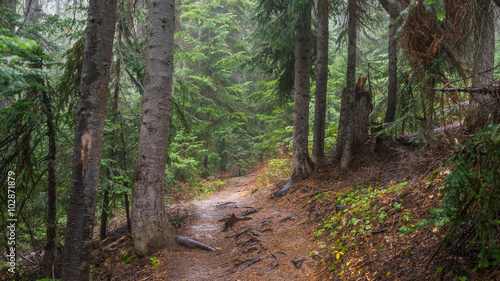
235,259
275,235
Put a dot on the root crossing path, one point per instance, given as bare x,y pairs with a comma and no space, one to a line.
269,240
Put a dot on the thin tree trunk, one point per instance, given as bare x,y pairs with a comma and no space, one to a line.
58,7
88,141
121,140
302,164
151,229
114,151
318,153
104,214
122,160
393,9
392,89
50,247
345,137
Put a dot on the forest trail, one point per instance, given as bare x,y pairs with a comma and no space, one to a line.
260,247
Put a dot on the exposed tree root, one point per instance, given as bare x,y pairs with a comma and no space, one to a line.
191,243
284,190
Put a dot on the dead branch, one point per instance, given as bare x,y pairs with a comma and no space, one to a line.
482,90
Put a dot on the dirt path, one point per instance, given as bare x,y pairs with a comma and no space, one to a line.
274,236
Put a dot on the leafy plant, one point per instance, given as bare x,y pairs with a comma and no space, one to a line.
356,218
154,261
276,170
126,258
396,206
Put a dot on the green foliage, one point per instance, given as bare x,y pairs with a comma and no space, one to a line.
154,261
472,200
13,63
356,218
275,170
205,187
210,97
126,258
274,38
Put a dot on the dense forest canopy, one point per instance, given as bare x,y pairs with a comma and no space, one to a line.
238,83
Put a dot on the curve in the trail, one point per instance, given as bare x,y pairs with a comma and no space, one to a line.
256,254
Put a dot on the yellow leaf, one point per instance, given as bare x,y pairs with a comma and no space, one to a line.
387,275
338,255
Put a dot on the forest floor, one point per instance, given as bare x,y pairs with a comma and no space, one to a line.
259,246
333,226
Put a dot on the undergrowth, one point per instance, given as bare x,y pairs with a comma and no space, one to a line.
276,170
471,206
356,214
196,188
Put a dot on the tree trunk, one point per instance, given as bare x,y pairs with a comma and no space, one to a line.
50,247
58,7
90,116
321,83
302,164
122,151
104,214
114,150
151,229
392,89
223,156
31,11
345,136
362,108
483,106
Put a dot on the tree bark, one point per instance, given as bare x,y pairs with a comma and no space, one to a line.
104,214
151,229
392,89
345,136
483,106
302,164
90,116
31,11
50,247
393,9
318,153
362,108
